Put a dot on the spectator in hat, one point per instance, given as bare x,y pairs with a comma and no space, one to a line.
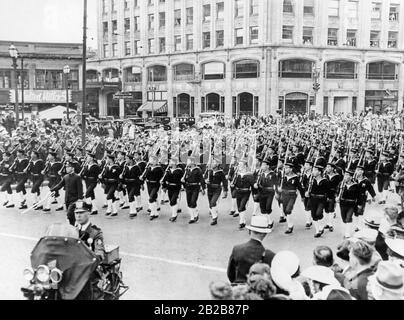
397,230
360,268
395,250
319,277
387,282
245,255
388,220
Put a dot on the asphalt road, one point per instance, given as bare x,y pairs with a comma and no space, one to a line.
161,260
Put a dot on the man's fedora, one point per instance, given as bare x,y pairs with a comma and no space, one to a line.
259,224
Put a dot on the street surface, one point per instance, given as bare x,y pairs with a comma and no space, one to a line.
161,260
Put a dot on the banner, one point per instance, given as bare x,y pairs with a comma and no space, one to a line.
41,96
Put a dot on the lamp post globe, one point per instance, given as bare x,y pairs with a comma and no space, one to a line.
12,50
66,69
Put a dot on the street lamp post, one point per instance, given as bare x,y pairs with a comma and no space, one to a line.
316,84
14,55
153,90
22,87
66,71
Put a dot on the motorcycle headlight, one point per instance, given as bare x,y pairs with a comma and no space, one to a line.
28,274
56,275
42,273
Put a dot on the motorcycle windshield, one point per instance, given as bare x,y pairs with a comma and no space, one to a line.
73,258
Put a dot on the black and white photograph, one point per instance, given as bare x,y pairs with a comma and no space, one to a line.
219,151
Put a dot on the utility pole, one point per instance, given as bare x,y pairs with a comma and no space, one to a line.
84,77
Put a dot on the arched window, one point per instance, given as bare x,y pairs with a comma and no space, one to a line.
92,76
184,72
111,75
245,69
295,68
212,102
213,71
184,105
381,70
340,69
156,74
133,74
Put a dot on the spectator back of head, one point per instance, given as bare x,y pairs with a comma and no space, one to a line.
323,256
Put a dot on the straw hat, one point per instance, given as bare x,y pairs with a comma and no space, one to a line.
259,224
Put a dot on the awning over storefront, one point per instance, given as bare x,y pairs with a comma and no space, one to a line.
157,106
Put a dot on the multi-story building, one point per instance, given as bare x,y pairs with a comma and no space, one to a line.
42,71
248,56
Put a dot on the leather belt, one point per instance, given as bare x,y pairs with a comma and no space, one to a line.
289,191
318,196
111,180
148,181
268,189
348,200
192,184
130,180
174,184
214,185
242,189
36,174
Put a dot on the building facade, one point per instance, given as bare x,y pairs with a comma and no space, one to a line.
256,57
41,71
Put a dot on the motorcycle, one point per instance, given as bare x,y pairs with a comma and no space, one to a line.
64,268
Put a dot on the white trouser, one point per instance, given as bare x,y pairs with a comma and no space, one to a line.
242,218
138,202
215,212
153,208
348,230
256,209
132,207
329,218
109,203
94,204
114,207
88,201
308,217
289,221
192,213
174,210
234,205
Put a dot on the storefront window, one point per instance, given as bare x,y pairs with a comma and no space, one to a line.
157,73
5,79
133,74
296,68
183,72
340,70
381,101
381,70
213,71
92,76
133,105
246,69
111,75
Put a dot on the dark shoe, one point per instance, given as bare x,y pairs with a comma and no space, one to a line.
173,219
236,215
148,210
382,202
214,222
5,203
54,202
125,207
271,225
158,209
10,206
23,206
289,231
356,229
162,202
108,214
232,213
241,226
153,217
192,221
138,210
38,208
105,206
331,228
309,225
94,213
326,226
319,234
196,219
121,204
59,209
46,210
133,215
179,211
114,214
282,220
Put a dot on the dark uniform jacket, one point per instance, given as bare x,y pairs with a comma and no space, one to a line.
173,178
54,169
365,186
20,166
320,189
385,170
36,168
91,172
73,187
266,182
93,238
292,183
154,174
334,182
370,168
112,173
194,177
217,178
4,169
131,174
350,194
245,182
244,256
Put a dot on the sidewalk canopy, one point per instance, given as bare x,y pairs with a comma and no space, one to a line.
158,106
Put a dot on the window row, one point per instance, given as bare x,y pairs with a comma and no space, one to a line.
332,38
44,79
342,69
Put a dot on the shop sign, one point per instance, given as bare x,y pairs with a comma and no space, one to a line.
41,96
